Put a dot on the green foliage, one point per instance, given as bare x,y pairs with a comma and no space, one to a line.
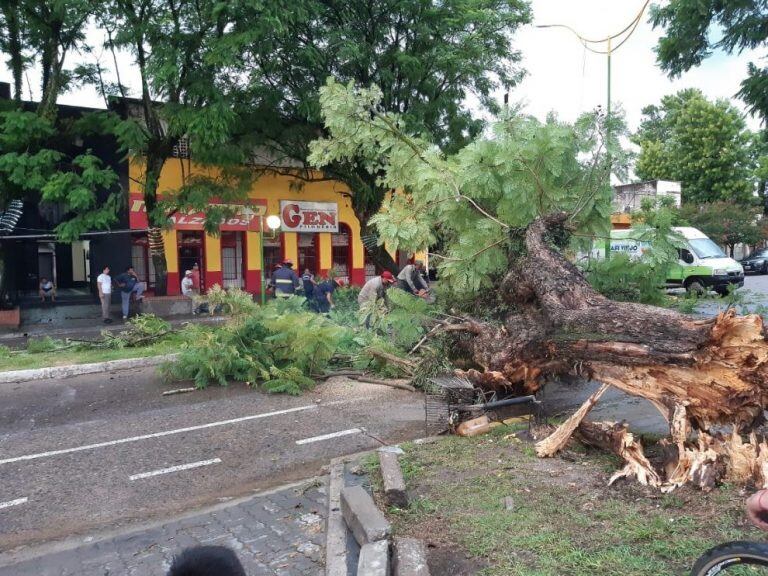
641,280
279,346
703,144
232,301
726,223
621,278
402,323
694,29
141,330
42,345
477,197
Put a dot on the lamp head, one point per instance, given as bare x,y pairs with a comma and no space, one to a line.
273,222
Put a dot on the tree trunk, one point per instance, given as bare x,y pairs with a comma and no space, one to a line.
153,168
717,368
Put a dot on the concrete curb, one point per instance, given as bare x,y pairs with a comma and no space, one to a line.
336,532
16,376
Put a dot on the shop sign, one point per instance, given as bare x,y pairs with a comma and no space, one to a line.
246,218
309,216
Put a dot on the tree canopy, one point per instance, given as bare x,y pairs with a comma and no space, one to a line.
703,144
694,29
478,199
726,223
426,57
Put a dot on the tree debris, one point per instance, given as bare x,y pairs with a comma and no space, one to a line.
559,438
700,374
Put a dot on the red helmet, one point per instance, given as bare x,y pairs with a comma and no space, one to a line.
341,282
387,276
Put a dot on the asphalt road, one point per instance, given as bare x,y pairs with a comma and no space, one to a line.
101,452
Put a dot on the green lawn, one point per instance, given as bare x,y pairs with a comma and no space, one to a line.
27,360
565,521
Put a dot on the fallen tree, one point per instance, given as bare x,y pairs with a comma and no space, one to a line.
510,208
698,373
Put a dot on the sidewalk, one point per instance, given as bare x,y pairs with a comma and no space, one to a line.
276,533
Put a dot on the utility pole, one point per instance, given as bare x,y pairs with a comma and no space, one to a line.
595,45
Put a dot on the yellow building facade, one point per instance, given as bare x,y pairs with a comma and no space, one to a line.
318,231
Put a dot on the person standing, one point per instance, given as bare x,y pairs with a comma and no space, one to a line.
411,280
323,295
308,281
285,280
129,285
188,284
104,283
196,282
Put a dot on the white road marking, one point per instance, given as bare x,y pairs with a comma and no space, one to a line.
165,433
13,503
175,469
329,436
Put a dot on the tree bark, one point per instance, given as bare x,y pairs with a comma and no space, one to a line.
717,368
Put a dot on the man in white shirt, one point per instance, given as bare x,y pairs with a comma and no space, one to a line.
104,282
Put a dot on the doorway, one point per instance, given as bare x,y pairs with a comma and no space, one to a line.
191,252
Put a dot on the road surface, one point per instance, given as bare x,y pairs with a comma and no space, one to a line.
102,452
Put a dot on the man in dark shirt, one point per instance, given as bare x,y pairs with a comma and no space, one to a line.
323,300
129,284
285,280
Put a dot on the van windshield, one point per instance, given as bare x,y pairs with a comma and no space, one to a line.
705,248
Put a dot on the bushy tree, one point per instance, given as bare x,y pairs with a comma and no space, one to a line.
479,198
426,57
703,144
694,29
727,223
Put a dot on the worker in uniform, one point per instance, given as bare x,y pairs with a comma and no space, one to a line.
284,280
374,290
411,280
308,280
323,295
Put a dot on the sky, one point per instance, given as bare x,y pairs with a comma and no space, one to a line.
564,77
561,75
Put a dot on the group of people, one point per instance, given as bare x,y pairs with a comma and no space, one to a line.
285,283
129,285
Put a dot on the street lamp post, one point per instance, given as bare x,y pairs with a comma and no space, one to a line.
273,223
590,44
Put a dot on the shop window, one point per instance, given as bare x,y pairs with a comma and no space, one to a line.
308,253
141,260
341,252
232,259
273,253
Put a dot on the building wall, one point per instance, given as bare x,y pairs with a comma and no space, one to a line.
267,192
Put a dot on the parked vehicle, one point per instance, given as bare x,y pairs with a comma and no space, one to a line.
702,265
756,262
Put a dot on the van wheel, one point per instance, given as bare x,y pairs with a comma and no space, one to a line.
723,292
695,287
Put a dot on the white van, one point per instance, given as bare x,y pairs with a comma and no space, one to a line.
702,264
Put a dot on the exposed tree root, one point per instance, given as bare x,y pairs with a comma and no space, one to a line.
699,373
559,438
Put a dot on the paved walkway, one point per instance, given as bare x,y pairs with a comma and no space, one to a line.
280,533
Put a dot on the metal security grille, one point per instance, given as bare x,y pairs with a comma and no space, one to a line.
232,264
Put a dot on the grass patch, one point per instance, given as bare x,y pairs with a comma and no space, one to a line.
29,360
565,520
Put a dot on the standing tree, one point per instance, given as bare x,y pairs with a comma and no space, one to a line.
727,223
38,161
427,57
696,28
177,46
508,208
704,145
